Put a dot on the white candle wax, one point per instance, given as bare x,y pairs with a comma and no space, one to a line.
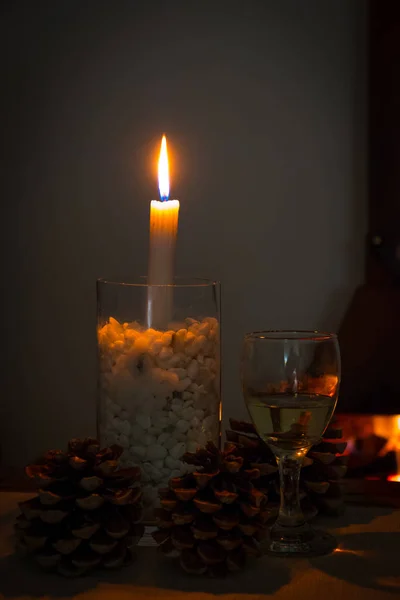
163,229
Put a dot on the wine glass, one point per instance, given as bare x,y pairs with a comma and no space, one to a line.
290,384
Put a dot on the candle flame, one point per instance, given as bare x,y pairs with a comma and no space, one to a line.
163,174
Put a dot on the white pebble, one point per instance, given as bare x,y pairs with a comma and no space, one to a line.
194,328
138,451
191,446
181,373
170,442
189,321
199,414
123,440
176,360
167,338
202,439
163,437
209,422
177,401
204,329
211,364
193,369
190,337
175,473
142,343
158,464
156,346
179,340
151,470
202,402
192,434
195,422
174,416
158,375
205,376
125,428
188,413
124,414
161,422
147,467
165,353
178,450
155,452
195,347
183,384
182,468
180,437
187,396
117,423
148,439
172,463
154,431
136,431
172,379
143,420
212,320
208,349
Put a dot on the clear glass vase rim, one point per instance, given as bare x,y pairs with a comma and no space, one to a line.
291,334
179,282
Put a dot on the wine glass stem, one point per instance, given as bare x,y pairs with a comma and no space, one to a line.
290,513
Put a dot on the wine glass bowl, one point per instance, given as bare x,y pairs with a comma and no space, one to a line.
290,385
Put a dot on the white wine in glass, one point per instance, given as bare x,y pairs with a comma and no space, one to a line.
290,422
290,385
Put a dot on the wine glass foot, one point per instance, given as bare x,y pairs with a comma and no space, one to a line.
312,542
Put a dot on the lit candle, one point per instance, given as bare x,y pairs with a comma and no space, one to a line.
163,229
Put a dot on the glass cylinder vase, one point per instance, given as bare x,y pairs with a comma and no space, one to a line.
159,383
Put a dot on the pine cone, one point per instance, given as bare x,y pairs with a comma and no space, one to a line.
213,518
323,468
87,511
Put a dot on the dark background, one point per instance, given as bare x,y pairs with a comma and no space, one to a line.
263,103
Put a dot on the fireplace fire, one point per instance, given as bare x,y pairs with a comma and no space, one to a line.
373,445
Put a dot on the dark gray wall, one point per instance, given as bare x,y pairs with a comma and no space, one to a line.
263,103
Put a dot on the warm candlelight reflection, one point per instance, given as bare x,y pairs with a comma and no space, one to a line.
326,385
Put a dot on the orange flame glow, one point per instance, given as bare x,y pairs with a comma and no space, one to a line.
363,427
163,170
397,450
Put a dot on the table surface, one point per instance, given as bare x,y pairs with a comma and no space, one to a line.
366,566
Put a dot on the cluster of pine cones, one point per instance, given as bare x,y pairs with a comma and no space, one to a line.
88,512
